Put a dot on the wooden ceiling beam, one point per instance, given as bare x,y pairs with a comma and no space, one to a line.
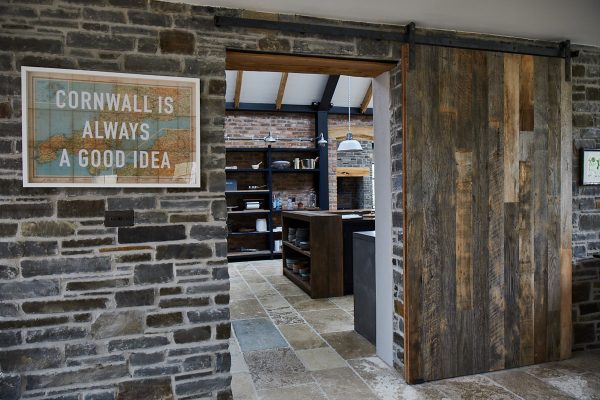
248,61
325,103
358,133
367,99
238,88
281,91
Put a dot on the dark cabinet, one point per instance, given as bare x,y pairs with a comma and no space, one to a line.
364,284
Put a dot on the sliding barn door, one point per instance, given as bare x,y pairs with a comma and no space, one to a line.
488,212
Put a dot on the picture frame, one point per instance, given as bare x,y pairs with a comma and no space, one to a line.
109,129
590,167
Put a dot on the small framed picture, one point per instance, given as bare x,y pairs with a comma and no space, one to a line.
590,166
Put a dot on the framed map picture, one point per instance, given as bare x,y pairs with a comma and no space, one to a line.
101,129
590,167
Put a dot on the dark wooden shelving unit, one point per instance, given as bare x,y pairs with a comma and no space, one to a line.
266,174
325,255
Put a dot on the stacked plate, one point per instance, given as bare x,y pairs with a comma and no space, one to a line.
301,235
289,262
292,235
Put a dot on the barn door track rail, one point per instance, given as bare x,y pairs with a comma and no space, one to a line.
409,34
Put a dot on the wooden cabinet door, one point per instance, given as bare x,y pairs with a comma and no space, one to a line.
487,230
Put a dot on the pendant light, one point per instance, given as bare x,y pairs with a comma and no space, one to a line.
270,138
321,141
349,144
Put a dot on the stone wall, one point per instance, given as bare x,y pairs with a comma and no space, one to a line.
397,215
336,121
88,312
356,192
586,202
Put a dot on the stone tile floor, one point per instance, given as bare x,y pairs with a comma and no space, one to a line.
286,346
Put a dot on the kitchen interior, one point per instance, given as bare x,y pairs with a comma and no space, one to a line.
301,204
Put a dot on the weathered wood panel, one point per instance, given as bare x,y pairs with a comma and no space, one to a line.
487,212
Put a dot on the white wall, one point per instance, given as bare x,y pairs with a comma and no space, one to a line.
383,217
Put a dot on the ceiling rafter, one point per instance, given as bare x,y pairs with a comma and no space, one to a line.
367,99
238,89
325,103
281,91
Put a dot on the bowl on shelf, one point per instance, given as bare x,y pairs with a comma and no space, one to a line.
304,245
296,267
280,164
304,271
305,277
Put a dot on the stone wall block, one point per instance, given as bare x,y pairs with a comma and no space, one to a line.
141,234
152,273
58,266
23,43
177,41
135,298
29,289
149,18
197,334
62,306
89,40
118,323
183,251
30,359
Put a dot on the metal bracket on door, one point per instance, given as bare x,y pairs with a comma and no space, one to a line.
565,48
410,35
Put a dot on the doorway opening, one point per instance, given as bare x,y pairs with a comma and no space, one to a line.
294,204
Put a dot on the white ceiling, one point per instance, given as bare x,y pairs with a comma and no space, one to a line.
301,89
577,20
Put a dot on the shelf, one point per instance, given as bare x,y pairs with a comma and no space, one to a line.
294,171
296,248
248,254
248,212
247,170
266,191
246,149
304,285
292,150
247,233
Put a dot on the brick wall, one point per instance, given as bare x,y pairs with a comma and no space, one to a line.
88,312
586,202
240,124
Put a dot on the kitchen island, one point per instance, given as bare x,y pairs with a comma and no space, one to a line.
316,255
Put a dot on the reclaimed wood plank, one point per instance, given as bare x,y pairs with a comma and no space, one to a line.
464,140
511,128
431,184
481,186
464,230
511,289
495,240
449,66
542,251
525,274
526,93
566,226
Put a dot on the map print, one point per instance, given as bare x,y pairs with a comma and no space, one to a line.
111,131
